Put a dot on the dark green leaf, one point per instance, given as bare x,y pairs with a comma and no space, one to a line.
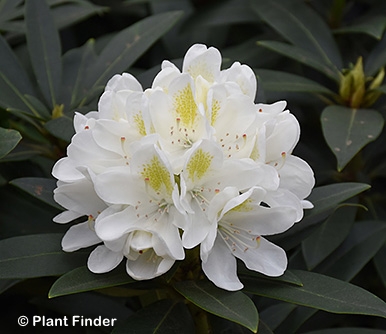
348,130
44,49
364,241
5,284
324,199
377,58
328,236
348,330
39,188
128,45
75,65
164,316
14,82
8,140
302,27
69,14
327,197
234,306
82,279
303,56
288,277
322,292
61,127
222,13
379,261
37,255
285,82
274,315
373,26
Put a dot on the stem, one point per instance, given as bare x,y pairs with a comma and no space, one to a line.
337,13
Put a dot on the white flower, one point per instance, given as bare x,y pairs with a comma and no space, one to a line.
242,220
205,174
192,161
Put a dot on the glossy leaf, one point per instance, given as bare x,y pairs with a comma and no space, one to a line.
75,65
377,58
44,49
328,236
288,277
128,45
234,306
68,14
348,130
61,127
14,82
39,188
364,241
373,26
278,81
82,279
302,27
274,315
222,13
379,261
301,55
322,292
8,140
325,199
37,255
163,317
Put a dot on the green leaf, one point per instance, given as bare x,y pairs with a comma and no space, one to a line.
274,315
61,128
69,14
75,65
324,199
5,284
288,277
377,58
37,255
8,140
303,56
14,82
221,13
364,241
278,81
234,306
44,49
348,130
379,261
322,292
373,26
164,316
82,279
302,27
328,236
348,330
128,45
327,197
39,188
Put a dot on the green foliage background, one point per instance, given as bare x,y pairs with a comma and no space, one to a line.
325,57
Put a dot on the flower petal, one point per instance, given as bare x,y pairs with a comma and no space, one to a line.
267,258
102,260
221,267
200,60
148,265
79,236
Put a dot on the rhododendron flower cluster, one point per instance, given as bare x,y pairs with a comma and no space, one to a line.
190,162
